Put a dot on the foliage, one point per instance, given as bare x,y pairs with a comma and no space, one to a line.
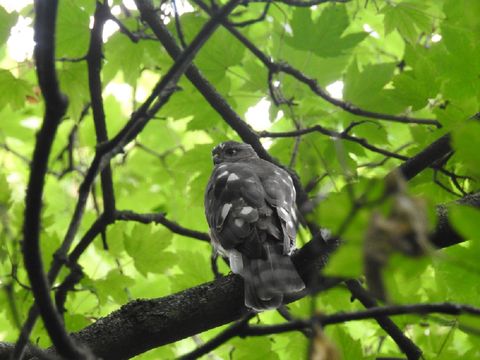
415,58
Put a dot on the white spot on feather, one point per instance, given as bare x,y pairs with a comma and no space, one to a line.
290,225
239,222
236,261
283,212
246,210
286,182
222,174
293,213
225,209
232,177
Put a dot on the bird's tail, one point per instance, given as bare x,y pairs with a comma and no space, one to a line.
267,280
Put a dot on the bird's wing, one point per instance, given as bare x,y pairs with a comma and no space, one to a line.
234,203
280,195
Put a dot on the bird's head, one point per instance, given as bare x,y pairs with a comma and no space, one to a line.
232,151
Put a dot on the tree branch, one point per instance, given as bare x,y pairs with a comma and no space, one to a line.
159,218
335,135
222,338
312,83
434,152
55,107
94,64
340,318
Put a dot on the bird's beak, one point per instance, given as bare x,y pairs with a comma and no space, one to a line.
216,159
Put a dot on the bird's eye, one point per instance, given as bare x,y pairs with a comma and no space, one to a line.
231,152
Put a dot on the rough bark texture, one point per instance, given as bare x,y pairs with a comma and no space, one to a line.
142,324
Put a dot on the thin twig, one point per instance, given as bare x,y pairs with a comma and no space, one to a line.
336,135
222,338
178,25
253,21
123,29
159,218
343,317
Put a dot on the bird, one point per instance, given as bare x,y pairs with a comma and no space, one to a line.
251,212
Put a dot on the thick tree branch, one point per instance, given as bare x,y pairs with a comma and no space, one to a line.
142,325
55,107
434,152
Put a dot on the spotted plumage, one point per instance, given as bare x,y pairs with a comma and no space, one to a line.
250,208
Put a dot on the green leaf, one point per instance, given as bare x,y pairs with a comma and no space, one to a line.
72,34
362,86
454,276
220,52
147,247
5,191
6,22
253,348
123,55
347,346
115,238
73,82
113,286
323,36
374,132
466,220
75,322
466,141
411,91
409,18
195,269
14,90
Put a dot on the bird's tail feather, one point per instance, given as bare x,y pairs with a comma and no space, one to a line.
268,280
